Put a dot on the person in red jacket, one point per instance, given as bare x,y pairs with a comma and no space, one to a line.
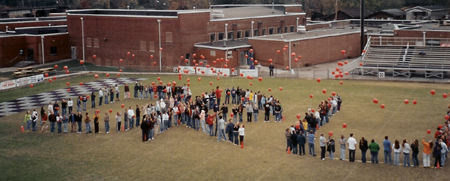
218,95
210,122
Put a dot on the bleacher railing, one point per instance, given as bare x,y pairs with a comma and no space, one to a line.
403,41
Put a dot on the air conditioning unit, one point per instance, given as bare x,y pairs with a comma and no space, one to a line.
446,23
301,29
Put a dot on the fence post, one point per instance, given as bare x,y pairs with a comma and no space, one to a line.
328,73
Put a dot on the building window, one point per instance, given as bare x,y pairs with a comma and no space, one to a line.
246,33
292,28
279,30
255,32
229,54
263,32
230,36
53,51
151,46
221,36
96,45
88,42
169,38
239,35
212,53
286,29
143,45
212,37
271,31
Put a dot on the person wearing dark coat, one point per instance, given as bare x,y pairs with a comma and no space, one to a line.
229,130
301,140
144,126
294,142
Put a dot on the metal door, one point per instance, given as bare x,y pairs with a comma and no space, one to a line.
73,52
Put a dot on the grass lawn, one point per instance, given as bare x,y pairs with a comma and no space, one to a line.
184,154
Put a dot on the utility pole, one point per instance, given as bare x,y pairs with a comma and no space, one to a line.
362,25
336,10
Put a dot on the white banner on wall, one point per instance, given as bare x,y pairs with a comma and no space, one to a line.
188,69
207,71
251,72
223,70
8,84
22,81
37,78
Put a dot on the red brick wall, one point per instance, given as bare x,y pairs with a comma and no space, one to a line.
10,47
313,51
234,61
293,9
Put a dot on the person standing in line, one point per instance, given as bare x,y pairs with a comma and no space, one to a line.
93,99
106,119
52,120
363,147
266,112
138,115
78,104
294,136
196,117
227,96
397,149
84,100
136,88
331,147
311,138
70,105
210,122
165,121
106,94
50,108
111,94
44,122
64,107
27,120
240,111
249,110
224,111
255,112
202,120
79,118
387,150
100,97
236,133
96,122
444,150
406,150
126,95
221,125
42,114
65,122
235,112
144,128
322,144
301,139
415,152
287,133
87,121
59,122
117,90
118,121
427,147
56,108
233,95
351,143
141,91
437,154
374,148
271,67
131,117
342,142
241,134
229,130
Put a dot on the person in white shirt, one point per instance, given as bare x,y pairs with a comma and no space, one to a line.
163,105
397,149
131,117
175,115
70,105
406,150
334,105
50,107
241,134
221,123
351,142
165,121
100,96
117,92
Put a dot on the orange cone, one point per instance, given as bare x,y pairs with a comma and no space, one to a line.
178,121
123,128
317,126
289,150
283,118
438,167
21,127
242,145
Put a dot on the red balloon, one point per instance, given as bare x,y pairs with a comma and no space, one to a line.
312,110
174,83
65,67
444,95
154,63
344,125
218,78
160,82
298,116
68,83
364,51
251,50
155,96
224,75
210,83
446,117
345,62
94,56
194,55
132,55
46,75
128,53
107,74
341,82
120,60
182,95
201,63
270,60
98,111
284,49
232,69
81,83
31,85
346,73
382,106
110,110
199,79
280,88
333,93
203,72
333,72
337,69
432,92
295,60
194,61
440,126
118,75
414,102
120,70
318,79
311,96
225,66
241,74
428,131
251,84
88,96
188,84
122,105
242,99
165,90
96,76
330,133
231,114
269,89
406,101
293,54
324,91
260,79
278,51
81,62
67,72
287,67
375,100
68,90
54,77
360,64
158,78
343,52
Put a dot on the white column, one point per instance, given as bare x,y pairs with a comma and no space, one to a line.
82,38
424,38
290,56
42,47
226,35
160,53
252,28
297,24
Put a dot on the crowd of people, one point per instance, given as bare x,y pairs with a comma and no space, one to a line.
304,132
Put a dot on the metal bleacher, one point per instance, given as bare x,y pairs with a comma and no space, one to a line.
406,57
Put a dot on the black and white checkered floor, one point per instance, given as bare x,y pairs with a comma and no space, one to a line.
42,99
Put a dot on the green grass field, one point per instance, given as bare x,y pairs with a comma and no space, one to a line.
184,154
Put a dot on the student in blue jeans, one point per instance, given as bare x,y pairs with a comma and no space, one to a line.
311,138
387,150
